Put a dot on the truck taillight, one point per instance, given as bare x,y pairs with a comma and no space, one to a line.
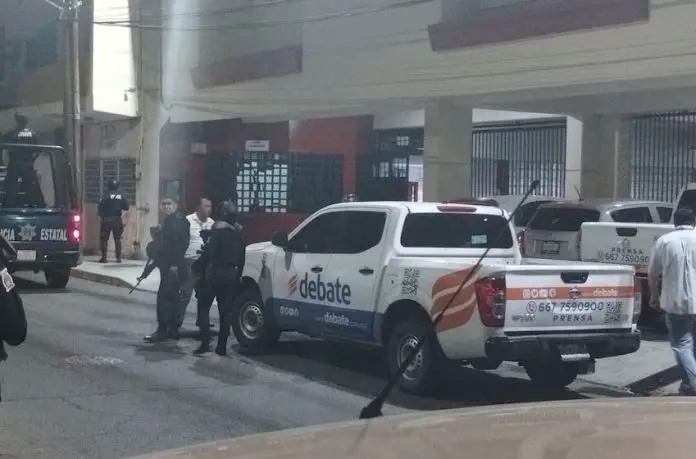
520,241
490,296
637,298
578,244
75,230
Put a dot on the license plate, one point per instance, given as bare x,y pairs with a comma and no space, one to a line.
550,247
26,255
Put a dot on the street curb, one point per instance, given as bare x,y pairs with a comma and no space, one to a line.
100,278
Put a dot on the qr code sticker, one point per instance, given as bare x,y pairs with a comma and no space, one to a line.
613,313
409,285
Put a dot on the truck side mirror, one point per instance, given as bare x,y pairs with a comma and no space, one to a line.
280,239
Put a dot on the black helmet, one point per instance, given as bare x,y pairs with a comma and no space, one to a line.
227,211
113,185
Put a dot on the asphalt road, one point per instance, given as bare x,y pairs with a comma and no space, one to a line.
84,385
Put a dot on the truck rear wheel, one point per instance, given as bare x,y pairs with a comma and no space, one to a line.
57,277
253,327
421,374
552,375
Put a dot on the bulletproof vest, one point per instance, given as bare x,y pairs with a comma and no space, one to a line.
225,263
112,205
153,250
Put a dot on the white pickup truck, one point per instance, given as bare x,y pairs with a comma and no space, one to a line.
630,244
379,272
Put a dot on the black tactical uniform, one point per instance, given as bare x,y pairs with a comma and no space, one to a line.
13,322
169,249
110,212
221,264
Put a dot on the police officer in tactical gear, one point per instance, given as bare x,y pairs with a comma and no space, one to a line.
111,208
221,263
170,242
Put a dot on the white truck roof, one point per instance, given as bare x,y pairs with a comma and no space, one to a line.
418,207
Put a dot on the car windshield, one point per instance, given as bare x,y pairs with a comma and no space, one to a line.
558,218
455,230
34,178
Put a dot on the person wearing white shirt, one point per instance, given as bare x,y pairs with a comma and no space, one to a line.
199,220
673,262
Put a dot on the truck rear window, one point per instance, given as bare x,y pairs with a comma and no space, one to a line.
688,199
455,230
557,218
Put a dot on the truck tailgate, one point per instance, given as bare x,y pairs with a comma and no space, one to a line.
556,298
621,243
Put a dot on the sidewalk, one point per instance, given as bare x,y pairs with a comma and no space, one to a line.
123,274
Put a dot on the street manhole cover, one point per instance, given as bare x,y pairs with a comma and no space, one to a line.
92,360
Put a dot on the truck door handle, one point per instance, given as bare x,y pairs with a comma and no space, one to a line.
317,269
366,271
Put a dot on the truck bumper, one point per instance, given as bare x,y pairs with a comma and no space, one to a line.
55,259
552,347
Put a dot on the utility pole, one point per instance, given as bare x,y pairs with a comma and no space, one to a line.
72,126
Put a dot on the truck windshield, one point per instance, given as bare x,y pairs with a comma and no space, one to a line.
34,178
557,218
455,230
688,199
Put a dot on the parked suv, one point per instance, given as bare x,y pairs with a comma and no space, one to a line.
554,230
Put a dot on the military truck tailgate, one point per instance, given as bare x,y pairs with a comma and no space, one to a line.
36,233
559,297
621,243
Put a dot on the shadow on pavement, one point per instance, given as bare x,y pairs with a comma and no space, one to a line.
362,371
31,287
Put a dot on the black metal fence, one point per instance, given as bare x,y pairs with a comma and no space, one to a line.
663,154
275,182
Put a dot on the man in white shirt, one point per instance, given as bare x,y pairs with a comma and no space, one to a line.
673,261
199,220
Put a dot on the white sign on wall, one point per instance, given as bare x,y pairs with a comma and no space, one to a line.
257,145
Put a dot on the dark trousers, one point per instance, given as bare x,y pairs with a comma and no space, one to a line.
225,295
109,226
169,297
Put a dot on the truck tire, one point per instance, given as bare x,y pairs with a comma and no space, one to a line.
421,375
552,375
57,277
252,326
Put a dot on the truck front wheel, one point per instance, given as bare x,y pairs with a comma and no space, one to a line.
252,324
421,374
552,375
57,277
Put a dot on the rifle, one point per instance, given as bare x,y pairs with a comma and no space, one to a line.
149,267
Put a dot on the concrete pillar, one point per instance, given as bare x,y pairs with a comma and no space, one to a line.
447,152
598,157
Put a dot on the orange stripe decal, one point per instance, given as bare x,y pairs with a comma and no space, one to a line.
463,305
569,293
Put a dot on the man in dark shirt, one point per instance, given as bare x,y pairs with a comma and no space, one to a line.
111,208
172,241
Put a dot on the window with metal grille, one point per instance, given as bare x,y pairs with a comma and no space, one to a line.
288,182
98,172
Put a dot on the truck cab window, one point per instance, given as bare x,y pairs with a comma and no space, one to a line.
632,215
318,236
361,231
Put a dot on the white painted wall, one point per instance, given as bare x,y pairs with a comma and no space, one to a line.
113,60
373,53
416,118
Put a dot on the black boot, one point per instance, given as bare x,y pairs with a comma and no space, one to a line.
103,246
117,247
157,336
173,333
204,348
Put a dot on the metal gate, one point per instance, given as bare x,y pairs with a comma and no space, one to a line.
663,149
508,157
382,177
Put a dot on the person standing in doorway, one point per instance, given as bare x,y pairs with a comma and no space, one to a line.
199,221
172,241
672,281
110,211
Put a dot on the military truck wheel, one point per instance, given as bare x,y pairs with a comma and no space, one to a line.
252,324
57,278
